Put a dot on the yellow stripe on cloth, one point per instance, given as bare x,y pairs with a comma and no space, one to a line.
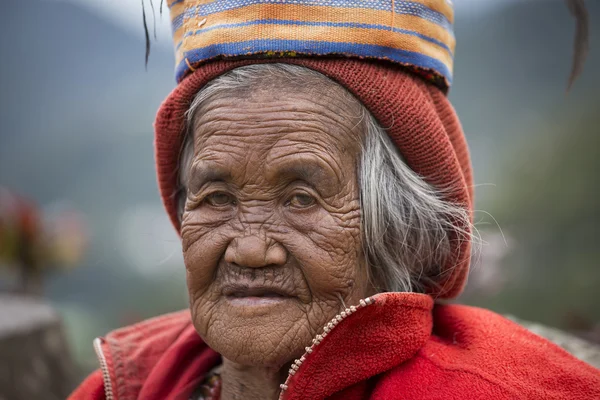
415,32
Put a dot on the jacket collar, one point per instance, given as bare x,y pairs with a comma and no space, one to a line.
383,332
164,358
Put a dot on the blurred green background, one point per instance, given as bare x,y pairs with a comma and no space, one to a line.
76,113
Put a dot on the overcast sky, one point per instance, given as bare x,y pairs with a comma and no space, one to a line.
128,13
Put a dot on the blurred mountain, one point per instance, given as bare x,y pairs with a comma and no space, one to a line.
76,113
74,90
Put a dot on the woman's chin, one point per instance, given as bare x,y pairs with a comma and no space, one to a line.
258,332
255,352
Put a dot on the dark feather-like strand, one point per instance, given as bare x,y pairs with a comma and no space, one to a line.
582,39
147,34
153,18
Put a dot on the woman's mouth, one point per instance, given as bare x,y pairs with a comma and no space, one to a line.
244,295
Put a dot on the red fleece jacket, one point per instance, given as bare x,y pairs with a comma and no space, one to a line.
393,346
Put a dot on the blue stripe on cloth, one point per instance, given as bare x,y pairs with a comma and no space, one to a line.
401,7
316,23
177,22
311,48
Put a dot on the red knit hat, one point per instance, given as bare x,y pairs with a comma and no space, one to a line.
423,125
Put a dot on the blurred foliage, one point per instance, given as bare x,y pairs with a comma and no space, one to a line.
32,243
547,202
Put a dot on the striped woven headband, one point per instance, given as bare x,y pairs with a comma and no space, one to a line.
417,34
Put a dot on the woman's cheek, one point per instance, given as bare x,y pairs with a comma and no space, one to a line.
203,248
327,253
197,223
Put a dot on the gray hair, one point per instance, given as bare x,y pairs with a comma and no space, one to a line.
407,226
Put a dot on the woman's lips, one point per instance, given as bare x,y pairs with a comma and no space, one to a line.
254,295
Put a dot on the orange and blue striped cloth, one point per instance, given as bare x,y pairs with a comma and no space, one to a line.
417,34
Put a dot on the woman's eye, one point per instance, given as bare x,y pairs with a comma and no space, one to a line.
301,200
219,199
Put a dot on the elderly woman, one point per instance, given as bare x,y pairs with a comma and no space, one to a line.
321,185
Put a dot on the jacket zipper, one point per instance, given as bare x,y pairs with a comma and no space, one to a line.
317,340
295,366
108,393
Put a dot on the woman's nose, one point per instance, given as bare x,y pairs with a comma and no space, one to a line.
255,252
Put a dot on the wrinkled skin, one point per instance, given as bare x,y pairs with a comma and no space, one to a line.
271,228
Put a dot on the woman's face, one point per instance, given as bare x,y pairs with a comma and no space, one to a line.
271,230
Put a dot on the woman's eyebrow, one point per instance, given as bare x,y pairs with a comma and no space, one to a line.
203,172
312,171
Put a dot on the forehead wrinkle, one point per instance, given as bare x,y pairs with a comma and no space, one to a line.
279,121
326,137
278,116
341,110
